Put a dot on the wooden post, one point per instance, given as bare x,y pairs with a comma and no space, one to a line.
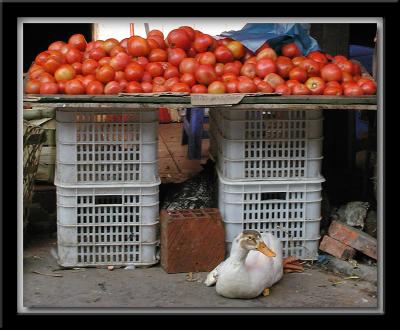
132,29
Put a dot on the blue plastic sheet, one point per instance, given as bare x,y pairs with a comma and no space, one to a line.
254,35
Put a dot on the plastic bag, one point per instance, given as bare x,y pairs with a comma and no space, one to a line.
254,35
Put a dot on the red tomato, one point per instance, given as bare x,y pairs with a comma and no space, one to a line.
237,49
205,74
73,55
120,61
134,87
176,55
147,87
223,54
188,65
171,81
105,74
97,53
298,59
207,58
216,87
89,66
265,66
290,50
199,89
112,88
48,88
331,72
283,89
248,70
188,79
94,88
74,87
46,77
138,46
180,87
298,74
267,53
158,55
228,77
346,66
300,89
231,86
353,90
264,87
32,86
179,38
311,67
247,86
134,71
318,57
155,69
291,82
316,85
274,80
78,41
283,66
367,85
333,90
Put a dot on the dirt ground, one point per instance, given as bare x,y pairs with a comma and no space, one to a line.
152,287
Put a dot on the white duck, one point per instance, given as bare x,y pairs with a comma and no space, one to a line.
247,273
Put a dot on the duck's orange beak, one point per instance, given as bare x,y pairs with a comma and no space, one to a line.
264,249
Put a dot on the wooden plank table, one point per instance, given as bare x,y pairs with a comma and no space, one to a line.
248,102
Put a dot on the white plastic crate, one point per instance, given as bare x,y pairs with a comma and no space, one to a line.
279,153
104,147
289,210
108,226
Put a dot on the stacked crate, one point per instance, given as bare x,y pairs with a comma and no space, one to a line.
268,165
107,187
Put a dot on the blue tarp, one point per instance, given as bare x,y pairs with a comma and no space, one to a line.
254,35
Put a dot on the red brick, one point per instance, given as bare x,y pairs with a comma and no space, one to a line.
353,237
191,240
336,248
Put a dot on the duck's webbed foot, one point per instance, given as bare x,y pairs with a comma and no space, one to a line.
292,265
266,292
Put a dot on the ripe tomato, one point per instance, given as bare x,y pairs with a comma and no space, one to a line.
65,72
188,65
48,88
147,87
56,45
112,88
300,89
171,81
158,81
138,46
89,66
109,44
298,74
231,86
290,83
134,87
346,66
155,69
264,87
248,70
78,41
158,55
219,69
51,65
223,54
331,72
97,53
298,59
290,50
179,38
180,87
46,77
207,58
94,88
231,68
311,67
188,79
228,77
73,55
316,85
134,71
202,43
199,89
105,74
353,90
267,53
333,83
333,90
176,55
74,87
216,87
283,66
32,86
367,85
205,74
247,86
318,57
283,89
265,66
170,72
236,48
274,80
120,61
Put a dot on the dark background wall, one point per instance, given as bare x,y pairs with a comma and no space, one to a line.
38,36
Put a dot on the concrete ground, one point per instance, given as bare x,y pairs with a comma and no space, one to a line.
152,287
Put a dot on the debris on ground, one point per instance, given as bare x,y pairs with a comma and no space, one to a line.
197,192
353,213
110,267
292,265
46,274
130,267
191,278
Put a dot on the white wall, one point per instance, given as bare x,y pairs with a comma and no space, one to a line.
120,28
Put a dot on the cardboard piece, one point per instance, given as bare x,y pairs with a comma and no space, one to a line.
209,100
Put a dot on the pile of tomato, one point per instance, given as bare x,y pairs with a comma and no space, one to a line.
188,60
